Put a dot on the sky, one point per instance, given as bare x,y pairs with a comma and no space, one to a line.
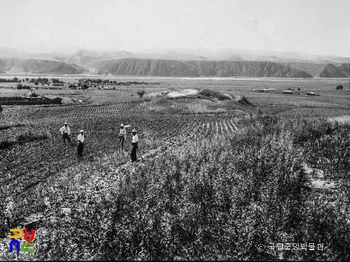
309,26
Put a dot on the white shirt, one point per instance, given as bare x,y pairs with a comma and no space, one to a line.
65,130
135,139
81,138
122,131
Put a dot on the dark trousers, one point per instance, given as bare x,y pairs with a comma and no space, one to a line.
66,136
121,141
133,152
80,149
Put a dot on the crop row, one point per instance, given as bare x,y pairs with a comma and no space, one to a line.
17,113
26,166
102,137
34,113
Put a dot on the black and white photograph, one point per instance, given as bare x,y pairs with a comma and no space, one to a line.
174,130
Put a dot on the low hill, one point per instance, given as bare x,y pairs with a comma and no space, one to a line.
323,70
345,68
332,71
197,101
150,67
311,68
16,65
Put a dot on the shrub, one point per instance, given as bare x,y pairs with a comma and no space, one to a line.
141,93
339,87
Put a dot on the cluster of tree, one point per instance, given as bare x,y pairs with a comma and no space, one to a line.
84,86
80,85
43,81
96,81
20,86
339,87
113,82
14,80
57,82
36,81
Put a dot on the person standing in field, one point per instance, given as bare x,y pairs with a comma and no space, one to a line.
81,140
65,131
122,135
134,142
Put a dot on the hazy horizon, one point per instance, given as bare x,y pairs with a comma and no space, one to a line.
316,27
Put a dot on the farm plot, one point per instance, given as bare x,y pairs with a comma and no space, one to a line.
52,114
40,159
26,166
47,156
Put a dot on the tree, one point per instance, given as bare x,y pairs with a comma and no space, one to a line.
84,86
141,93
339,87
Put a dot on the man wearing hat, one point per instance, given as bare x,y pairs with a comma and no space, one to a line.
122,134
81,139
134,141
65,131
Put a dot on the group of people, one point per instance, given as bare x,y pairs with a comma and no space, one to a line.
65,132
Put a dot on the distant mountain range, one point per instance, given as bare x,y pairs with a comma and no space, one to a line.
151,67
177,62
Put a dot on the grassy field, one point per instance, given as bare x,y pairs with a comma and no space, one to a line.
219,180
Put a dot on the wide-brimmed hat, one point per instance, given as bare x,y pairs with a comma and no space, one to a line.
134,131
66,123
121,125
82,131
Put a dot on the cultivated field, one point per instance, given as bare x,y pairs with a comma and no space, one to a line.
220,179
